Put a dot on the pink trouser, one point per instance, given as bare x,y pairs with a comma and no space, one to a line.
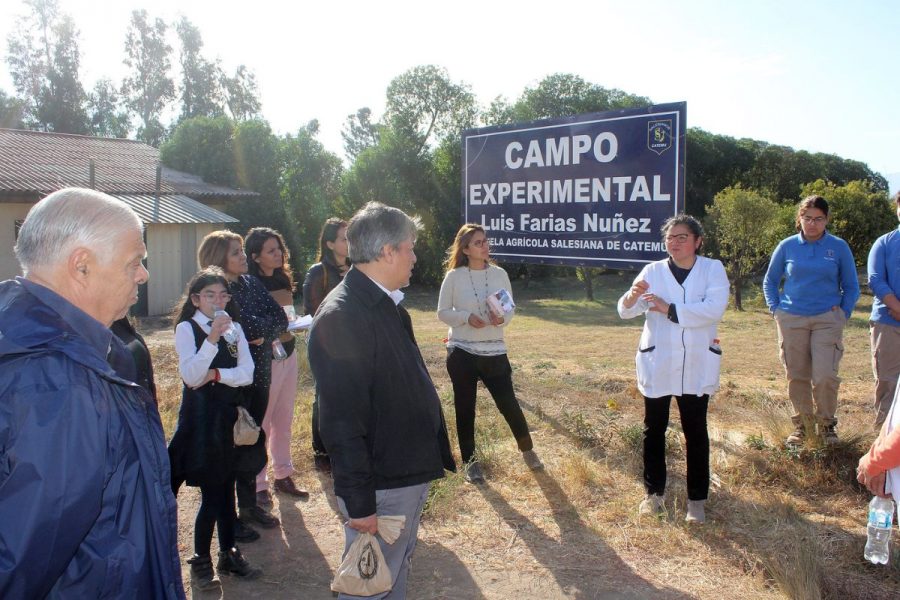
278,419
811,350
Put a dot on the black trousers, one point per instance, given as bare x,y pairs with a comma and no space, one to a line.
317,444
465,370
696,438
216,509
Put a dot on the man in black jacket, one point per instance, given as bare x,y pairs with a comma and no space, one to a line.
380,416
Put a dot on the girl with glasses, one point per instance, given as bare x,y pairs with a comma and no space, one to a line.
215,373
811,287
263,321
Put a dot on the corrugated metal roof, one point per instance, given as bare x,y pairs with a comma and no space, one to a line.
38,162
193,185
173,208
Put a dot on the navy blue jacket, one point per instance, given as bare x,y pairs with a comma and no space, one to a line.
86,507
380,416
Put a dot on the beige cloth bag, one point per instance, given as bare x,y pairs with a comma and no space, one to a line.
363,571
246,431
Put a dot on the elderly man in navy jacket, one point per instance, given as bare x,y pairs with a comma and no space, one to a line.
86,506
380,416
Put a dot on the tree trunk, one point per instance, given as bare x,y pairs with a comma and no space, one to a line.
737,293
588,279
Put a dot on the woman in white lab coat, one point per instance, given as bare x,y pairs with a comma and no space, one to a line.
682,299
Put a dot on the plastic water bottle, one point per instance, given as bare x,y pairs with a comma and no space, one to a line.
230,334
878,544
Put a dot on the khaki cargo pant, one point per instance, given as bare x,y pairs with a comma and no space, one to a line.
811,349
885,367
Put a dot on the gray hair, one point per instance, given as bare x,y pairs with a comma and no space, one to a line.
374,226
72,218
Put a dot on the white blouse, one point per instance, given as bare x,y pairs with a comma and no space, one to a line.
193,364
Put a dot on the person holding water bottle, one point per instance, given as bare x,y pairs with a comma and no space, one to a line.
215,366
268,261
263,320
879,471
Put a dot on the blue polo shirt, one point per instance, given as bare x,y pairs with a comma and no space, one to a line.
817,275
884,275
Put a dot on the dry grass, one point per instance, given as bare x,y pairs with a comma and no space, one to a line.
781,523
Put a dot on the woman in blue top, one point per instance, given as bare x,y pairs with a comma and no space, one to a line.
811,287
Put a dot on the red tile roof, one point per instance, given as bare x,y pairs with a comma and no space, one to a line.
38,163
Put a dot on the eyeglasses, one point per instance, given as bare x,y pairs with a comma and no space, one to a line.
811,220
680,238
480,243
212,296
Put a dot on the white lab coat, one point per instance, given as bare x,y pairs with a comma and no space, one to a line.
680,358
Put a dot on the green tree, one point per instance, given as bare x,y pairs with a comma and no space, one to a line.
714,162
310,187
44,60
359,133
564,94
857,212
200,88
12,112
149,88
423,104
202,146
242,155
395,161
241,94
107,114
742,228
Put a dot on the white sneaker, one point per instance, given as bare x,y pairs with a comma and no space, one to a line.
696,512
653,504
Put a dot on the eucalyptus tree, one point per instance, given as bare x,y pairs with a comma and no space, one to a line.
148,88
200,89
107,112
44,61
241,94
360,132
12,111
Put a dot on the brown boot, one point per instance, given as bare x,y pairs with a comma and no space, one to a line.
286,486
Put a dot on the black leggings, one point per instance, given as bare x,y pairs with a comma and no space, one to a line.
216,509
696,440
465,370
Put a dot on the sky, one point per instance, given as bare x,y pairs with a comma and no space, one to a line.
820,76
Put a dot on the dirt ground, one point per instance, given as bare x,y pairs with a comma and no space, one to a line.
571,530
